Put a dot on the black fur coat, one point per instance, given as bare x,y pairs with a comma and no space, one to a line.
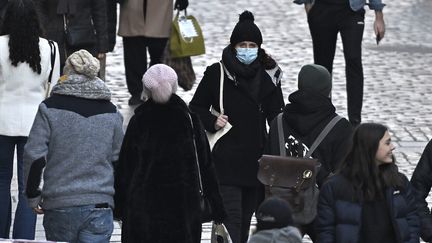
156,180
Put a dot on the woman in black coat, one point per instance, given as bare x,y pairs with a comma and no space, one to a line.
156,179
368,200
81,14
251,95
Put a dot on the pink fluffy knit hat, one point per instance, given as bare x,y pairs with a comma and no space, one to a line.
160,82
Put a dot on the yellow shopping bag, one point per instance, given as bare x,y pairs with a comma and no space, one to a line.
186,36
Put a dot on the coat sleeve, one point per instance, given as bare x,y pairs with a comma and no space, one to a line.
204,97
376,5
341,145
326,219
111,23
412,215
35,153
118,138
42,7
124,169
275,104
99,16
208,173
422,182
272,143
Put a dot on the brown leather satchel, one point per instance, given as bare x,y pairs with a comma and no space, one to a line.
293,178
293,172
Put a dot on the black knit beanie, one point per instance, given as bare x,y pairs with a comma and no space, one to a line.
246,30
315,78
274,213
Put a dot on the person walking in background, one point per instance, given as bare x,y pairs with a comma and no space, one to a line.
308,113
275,223
3,4
251,95
422,183
87,17
157,181
25,66
74,141
326,19
368,200
145,25
111,7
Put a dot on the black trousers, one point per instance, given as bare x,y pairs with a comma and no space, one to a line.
325,22
135,59
240,204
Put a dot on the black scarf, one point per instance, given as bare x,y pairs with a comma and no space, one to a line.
247,77
306,110
66,7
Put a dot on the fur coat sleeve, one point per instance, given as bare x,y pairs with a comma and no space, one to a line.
124,170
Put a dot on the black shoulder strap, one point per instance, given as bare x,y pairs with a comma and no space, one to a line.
322,135
282,151
53,55
317,141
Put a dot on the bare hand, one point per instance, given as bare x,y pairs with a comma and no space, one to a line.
221,121
38,210
101,55
379,25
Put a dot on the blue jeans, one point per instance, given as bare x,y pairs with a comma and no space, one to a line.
25,219
79,224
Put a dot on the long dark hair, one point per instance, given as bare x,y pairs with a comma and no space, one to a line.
367,177
22,25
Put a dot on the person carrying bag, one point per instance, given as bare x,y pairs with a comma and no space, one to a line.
303,120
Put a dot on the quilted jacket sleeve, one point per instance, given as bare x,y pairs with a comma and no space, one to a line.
326,219
422,182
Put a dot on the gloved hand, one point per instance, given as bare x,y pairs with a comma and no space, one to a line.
181,4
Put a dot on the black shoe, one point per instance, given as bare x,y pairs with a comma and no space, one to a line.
135,100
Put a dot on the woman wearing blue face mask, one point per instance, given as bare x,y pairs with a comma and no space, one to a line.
252,95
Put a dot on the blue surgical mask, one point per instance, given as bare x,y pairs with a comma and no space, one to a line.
247,55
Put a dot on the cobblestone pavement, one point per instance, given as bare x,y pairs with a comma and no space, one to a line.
398,72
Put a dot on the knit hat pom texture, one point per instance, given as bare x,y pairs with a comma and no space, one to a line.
246,30
82,62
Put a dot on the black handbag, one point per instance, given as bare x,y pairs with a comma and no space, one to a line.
182,66
205,205
79,35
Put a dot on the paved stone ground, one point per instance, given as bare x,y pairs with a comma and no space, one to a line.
398,72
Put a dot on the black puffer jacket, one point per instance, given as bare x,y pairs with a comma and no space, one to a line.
422,183
88,12
304,118
236,154
340,217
